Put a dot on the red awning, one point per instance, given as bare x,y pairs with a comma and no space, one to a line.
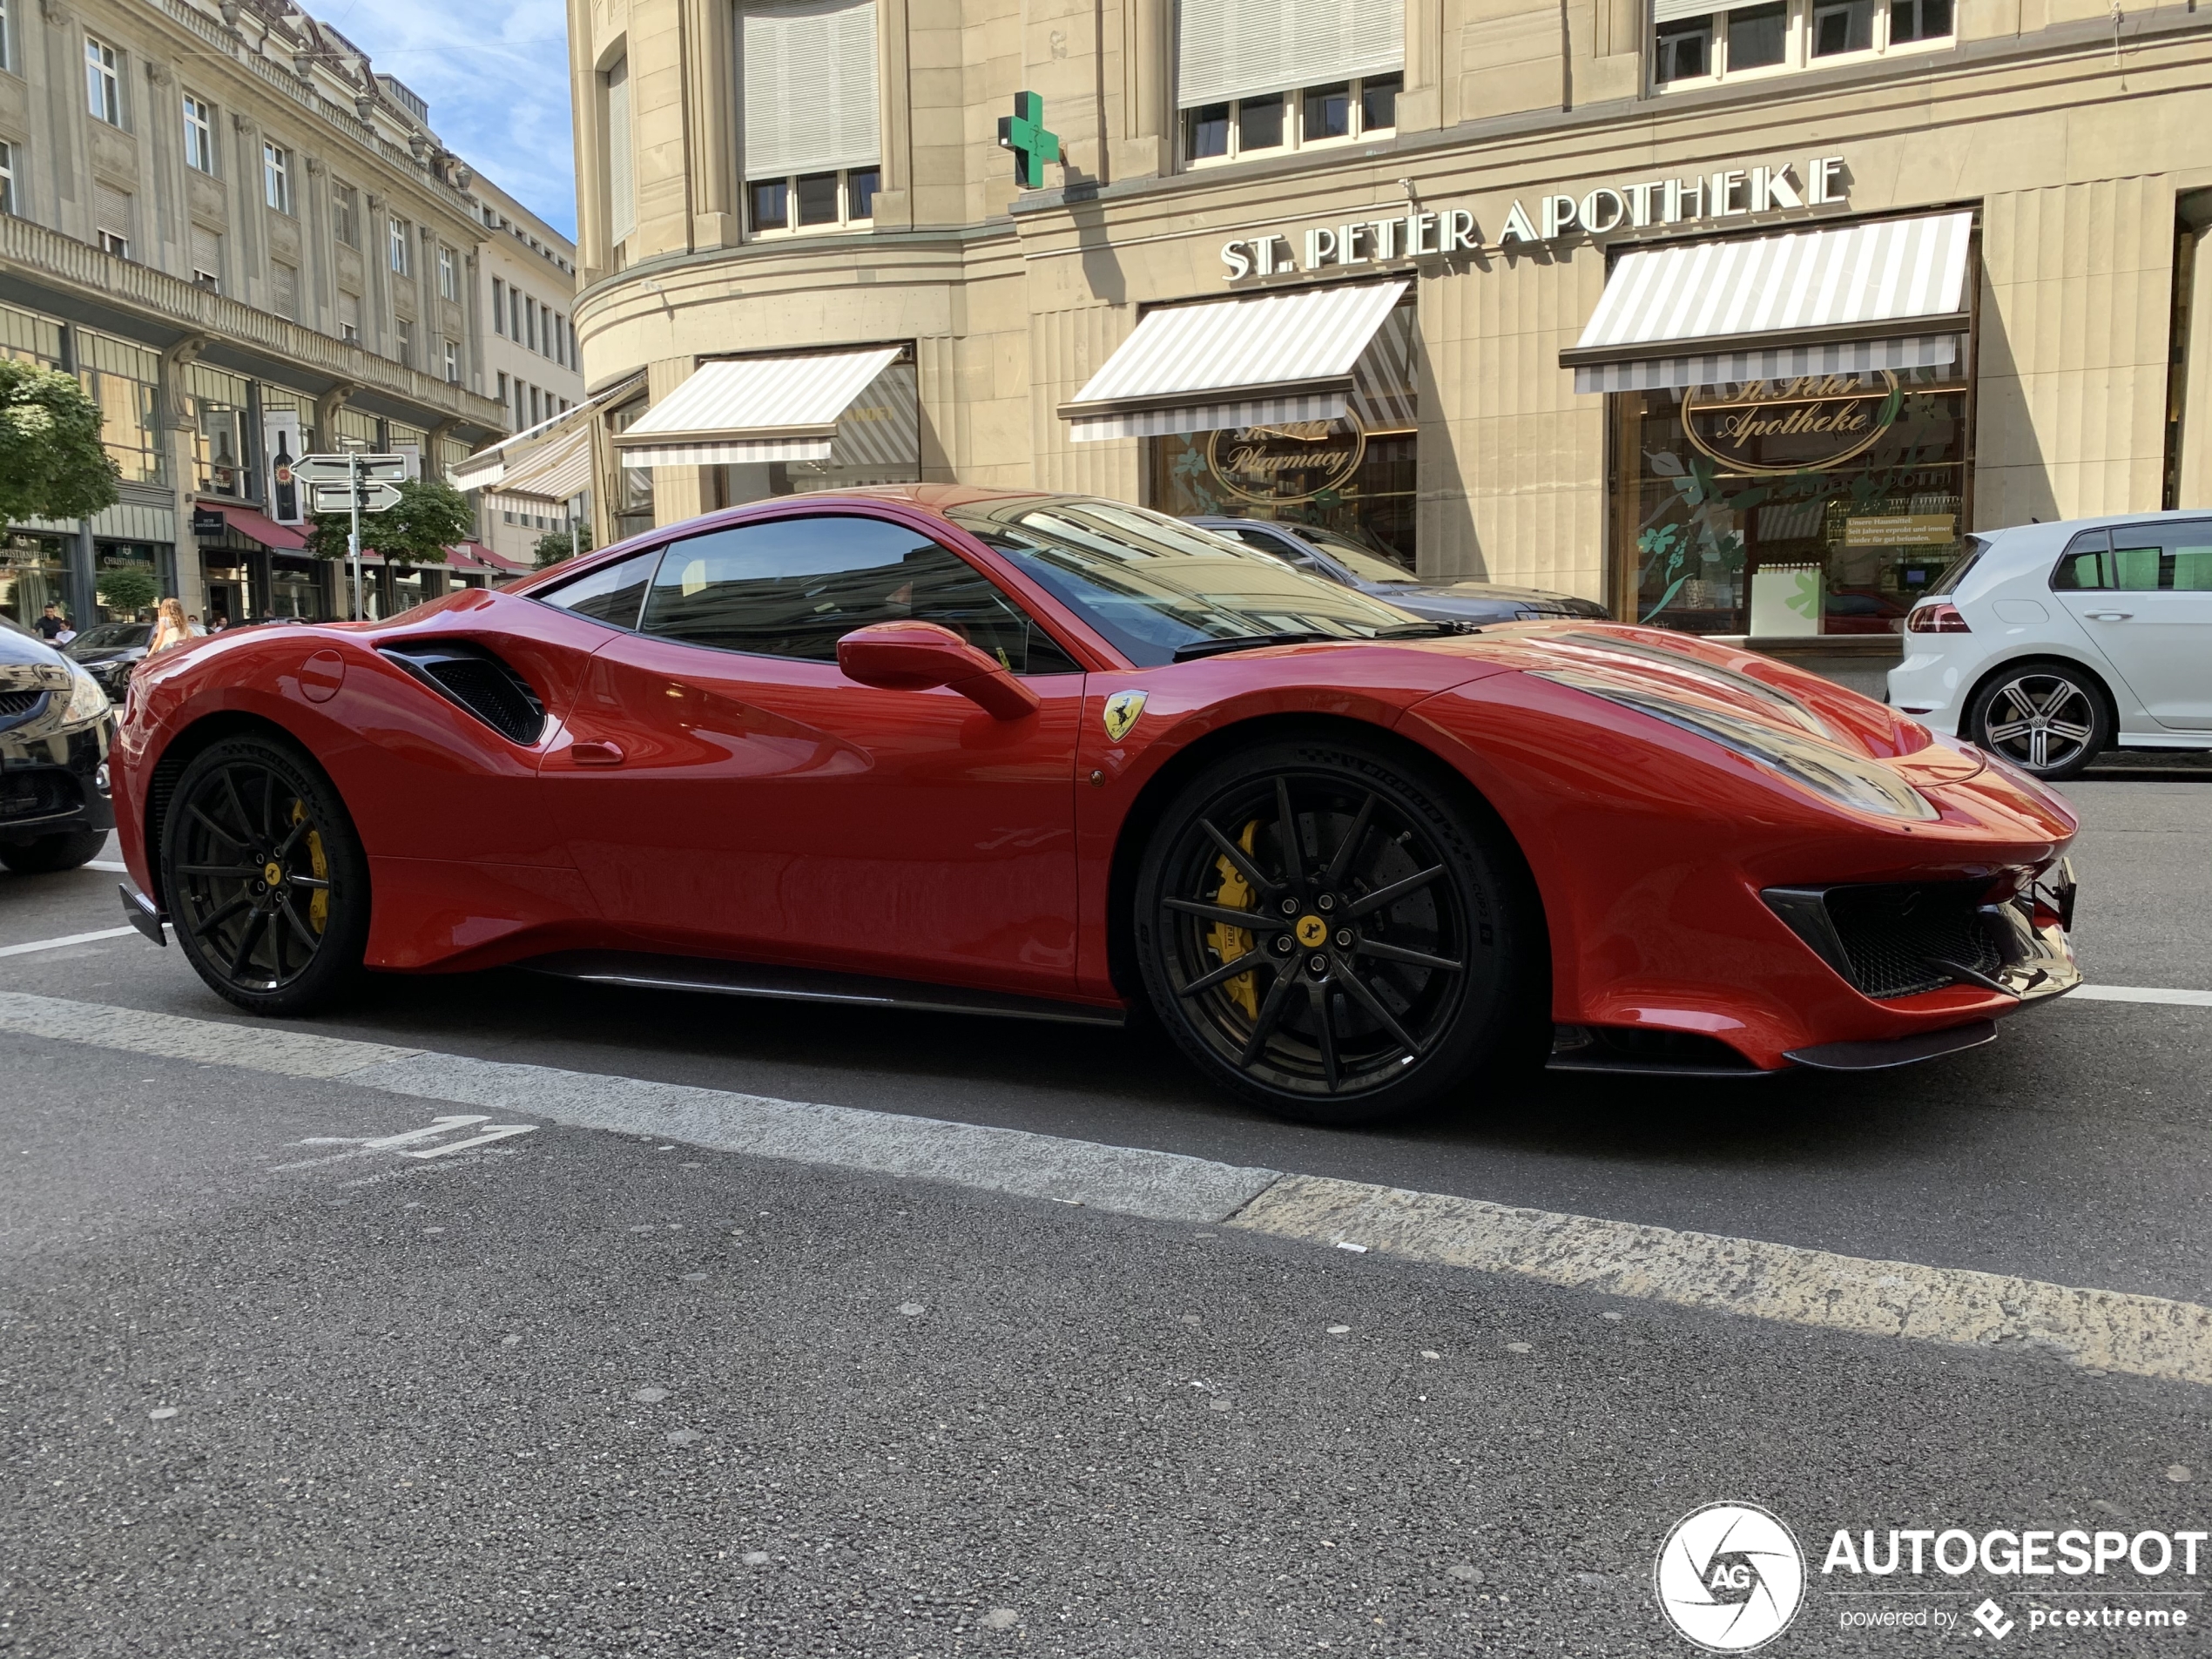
249,524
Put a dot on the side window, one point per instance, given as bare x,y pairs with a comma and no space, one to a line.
613,593
2170,557
2136,555
793,587
2192,547
2081,567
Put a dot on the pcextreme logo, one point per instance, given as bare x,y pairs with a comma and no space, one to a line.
1730,1577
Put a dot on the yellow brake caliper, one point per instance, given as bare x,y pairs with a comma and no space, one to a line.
318,907
1229,943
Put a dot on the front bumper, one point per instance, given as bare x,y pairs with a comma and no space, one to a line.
51,786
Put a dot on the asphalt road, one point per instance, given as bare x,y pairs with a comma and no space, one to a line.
580,1393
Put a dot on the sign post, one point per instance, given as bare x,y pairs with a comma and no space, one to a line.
369,484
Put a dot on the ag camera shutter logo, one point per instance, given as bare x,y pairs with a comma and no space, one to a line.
1730,1577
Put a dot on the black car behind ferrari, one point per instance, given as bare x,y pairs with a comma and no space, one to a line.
1340,559
109,652
56,728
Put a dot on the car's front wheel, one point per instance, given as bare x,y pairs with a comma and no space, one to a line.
1326,931
46,854
2046,717
264,878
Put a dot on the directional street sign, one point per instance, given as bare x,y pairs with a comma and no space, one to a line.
325,469
325,496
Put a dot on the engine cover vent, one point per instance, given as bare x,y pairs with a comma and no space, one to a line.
477,679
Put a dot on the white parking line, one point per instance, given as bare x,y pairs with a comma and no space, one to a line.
2142,993
103,864
2145,1336
66,939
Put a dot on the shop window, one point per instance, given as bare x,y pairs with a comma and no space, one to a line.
631,498
31,575
814,201
26,337
1821,504
1338,112
1701,48
123,380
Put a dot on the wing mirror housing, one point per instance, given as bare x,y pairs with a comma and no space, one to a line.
918,656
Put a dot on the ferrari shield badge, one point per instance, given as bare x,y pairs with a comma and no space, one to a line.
1121,709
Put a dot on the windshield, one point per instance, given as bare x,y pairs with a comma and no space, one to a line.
1154,586
1364,562
111,635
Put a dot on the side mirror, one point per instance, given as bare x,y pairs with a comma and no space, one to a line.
916,656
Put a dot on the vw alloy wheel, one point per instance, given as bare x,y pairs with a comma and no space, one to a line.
2045,718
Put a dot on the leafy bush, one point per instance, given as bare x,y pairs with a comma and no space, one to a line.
127,589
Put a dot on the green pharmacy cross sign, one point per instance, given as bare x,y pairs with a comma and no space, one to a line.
1023,133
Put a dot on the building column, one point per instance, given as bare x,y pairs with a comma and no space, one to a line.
594,257
176,415
253,277
710,95
376,261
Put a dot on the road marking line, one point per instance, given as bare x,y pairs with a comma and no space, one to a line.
107,863
2141,994
437,1126
2145,1336
496,1132
66,939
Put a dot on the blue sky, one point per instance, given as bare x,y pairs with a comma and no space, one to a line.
496,76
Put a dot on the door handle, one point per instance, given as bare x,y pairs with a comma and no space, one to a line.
2110,616
595,753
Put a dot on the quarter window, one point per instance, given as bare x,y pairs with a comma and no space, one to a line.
612,593
793,587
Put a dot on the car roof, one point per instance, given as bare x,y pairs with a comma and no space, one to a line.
2065,529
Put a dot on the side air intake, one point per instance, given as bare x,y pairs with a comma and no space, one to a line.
467,674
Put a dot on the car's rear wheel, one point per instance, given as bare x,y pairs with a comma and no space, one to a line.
264,876
1326,932
2046,717
46,854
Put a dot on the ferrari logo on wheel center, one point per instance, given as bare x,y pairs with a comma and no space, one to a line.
272,872
1312,931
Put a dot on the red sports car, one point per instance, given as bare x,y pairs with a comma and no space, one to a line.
1063,759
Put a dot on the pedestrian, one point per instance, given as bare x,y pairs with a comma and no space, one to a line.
169,628
50,623
67,633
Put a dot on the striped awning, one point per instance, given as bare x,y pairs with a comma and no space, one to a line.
1264,359
1889,294
489,467
555,472
740,409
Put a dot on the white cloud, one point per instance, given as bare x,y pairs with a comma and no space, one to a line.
496,76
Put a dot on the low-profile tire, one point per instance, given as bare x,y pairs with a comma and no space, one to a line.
1390,942
264,878
2047,718
48,853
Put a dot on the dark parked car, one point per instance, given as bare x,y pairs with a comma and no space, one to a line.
56,729
1339,558
109,652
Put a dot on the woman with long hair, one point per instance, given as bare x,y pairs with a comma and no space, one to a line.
169,628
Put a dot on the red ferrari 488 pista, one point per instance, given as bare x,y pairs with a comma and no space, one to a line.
1063,758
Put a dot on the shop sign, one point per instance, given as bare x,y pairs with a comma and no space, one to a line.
1901,530
1272,465
208,522
1419,232
1798,425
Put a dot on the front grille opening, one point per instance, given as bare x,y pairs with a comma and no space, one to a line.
37,792
1646,1048
477,679
17,708
1903,938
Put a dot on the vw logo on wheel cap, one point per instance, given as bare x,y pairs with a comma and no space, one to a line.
1730,1577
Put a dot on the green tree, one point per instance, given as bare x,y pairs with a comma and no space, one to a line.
127,589
428,517
554,545
51,464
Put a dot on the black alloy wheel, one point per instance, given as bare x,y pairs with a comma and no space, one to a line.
264,877
2046,717
1325,934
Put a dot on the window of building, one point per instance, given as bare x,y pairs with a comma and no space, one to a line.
349,317
8,204
503,391
621,169
206,258
284,284
276,177
448,275
453,362
199,135
345,214
396,250
123,379
529,323
102,82
554,338
404,336
112,219
538,405
219,409
514,316
1275,123
498,306
7,31
812,119
630,497
1694,46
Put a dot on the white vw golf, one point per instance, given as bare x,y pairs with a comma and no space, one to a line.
2048,642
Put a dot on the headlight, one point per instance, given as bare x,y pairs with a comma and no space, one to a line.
1832,774
87,701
